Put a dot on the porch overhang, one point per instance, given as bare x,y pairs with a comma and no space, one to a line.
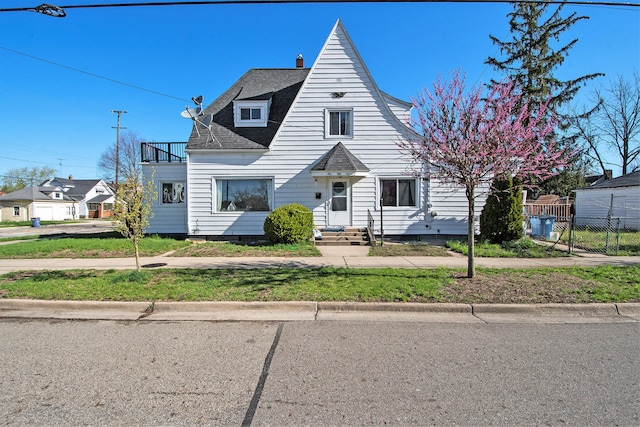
337,174
339,162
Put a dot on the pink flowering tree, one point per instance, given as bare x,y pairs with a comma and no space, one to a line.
469,138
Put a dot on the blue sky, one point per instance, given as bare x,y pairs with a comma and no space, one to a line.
53,116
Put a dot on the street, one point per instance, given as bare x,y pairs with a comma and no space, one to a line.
58,372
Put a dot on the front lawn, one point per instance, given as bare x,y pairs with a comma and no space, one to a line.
108,245
523,248
541,285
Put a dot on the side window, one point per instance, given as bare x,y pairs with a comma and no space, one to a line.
172,192
16,211
398,192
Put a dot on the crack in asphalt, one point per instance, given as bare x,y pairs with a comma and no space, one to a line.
255,400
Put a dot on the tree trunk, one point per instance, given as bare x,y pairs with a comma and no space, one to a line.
471,268
135,244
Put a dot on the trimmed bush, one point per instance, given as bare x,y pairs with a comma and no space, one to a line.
289,224
501,218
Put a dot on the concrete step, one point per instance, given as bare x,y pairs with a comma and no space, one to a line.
349,237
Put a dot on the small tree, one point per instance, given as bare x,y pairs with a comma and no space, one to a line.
501,218
468,139
132,209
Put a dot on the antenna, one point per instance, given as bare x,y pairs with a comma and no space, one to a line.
195,113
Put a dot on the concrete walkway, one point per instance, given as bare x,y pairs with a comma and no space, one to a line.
342,258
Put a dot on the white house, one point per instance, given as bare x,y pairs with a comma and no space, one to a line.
618,197
94,198
325,137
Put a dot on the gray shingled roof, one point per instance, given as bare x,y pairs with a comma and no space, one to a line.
339,159
77,188
628,180
31,193
278,84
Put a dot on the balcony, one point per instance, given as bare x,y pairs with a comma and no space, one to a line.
163,152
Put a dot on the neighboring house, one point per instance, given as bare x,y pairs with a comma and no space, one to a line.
325,137
617,197
93,197
46,203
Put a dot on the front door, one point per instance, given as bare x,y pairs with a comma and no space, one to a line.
339,203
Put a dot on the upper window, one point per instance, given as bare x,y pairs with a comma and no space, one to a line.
243,195
173,192
251,113
340,123
398,192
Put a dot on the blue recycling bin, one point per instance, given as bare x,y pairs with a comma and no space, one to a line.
546,225
535,226
35,222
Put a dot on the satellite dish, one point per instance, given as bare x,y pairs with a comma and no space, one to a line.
207,120
190,113
198,99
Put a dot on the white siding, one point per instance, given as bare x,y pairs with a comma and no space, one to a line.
168,218
379,123
596,202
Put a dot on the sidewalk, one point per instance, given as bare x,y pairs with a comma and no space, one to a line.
349,260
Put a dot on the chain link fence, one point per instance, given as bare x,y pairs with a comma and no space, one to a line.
596,235
602,235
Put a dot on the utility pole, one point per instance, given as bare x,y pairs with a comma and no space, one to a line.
118,112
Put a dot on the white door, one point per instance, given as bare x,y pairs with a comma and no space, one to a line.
339,203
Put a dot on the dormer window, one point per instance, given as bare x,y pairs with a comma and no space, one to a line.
251,113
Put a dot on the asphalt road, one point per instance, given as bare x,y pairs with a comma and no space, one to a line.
318,373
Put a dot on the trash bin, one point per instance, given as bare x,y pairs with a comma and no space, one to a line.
35,222
546,225
535,226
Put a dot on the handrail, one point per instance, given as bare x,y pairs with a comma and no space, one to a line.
370,227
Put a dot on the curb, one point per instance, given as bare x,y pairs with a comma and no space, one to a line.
310,310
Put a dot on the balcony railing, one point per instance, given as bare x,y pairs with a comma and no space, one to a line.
163,152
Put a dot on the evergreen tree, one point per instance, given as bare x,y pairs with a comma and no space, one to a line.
501,218
531,59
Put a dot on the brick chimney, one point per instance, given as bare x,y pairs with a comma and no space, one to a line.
300,61
608,174
70,177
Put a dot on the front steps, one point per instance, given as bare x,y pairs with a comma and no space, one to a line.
349,237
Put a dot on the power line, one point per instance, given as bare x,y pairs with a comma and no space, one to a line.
43,163
59,10
88,73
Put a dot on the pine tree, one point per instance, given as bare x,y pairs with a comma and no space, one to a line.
531,59
501,218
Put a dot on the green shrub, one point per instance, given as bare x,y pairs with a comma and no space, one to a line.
289,224
501,218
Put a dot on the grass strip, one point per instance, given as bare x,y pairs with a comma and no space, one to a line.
522,248
588,284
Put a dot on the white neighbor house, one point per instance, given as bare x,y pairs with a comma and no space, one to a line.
325,137
618,197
